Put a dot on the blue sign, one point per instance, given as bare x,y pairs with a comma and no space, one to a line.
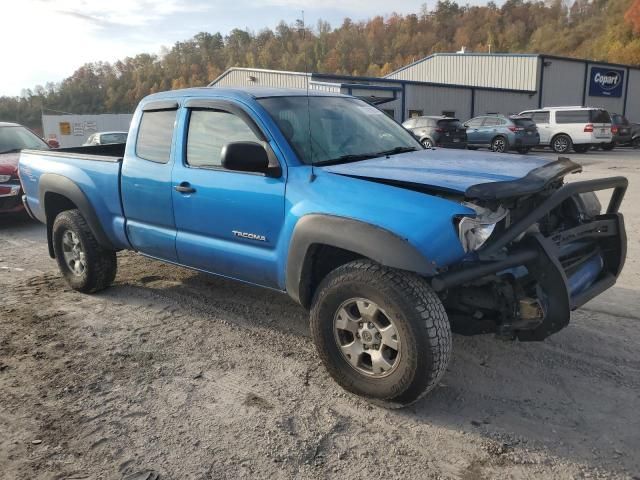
605,82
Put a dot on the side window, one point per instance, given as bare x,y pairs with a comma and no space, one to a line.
491,122
209,131
539,117
155,135
475,122
572,116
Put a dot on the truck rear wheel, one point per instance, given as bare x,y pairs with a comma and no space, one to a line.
381,333
85,265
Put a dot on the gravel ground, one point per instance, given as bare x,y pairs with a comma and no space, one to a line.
172,374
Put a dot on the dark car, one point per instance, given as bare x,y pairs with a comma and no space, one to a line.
438,131
622,130
635,135
501,134
13,138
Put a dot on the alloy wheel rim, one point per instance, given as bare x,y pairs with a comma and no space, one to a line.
367,337
561,144
74,254
498,145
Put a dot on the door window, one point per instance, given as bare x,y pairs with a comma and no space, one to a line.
572,116
475,122
209,132
156,135
491,122
540,117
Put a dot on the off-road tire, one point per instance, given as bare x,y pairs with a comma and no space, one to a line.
556,143
101,264
418,315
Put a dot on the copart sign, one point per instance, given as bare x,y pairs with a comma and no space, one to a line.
606,82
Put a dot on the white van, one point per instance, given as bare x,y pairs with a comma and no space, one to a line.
564,128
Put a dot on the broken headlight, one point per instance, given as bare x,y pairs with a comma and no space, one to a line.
475,231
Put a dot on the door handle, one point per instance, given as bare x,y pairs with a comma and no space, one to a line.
184,187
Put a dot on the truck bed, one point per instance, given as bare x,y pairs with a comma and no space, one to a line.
103,153
95,170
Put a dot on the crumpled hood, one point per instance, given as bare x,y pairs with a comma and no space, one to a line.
444,169
9,163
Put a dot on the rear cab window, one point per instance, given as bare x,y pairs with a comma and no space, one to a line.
155,135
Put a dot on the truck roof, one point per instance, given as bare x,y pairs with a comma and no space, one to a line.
239,93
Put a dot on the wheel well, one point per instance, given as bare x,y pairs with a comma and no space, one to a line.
319,261
54,203
561,133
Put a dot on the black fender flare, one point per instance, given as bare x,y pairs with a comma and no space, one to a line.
370,241
61,185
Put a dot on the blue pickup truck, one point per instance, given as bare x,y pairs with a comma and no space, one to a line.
325,198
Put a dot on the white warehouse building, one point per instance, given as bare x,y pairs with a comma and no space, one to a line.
470,84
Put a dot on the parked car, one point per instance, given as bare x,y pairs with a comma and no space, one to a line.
13,138
437,131
621,129
635,135
106,138
577,128
501,134
384,241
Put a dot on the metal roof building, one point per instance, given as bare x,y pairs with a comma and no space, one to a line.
465,85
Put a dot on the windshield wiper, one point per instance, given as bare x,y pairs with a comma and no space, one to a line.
365,156
396,150
346,158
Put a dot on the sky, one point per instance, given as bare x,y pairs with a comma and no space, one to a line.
47,40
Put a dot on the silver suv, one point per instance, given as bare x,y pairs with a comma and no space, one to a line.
564,128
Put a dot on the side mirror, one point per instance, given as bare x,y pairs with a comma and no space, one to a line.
245,157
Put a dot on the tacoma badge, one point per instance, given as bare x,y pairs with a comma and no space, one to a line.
250,236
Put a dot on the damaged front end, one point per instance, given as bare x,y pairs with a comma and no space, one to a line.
537,249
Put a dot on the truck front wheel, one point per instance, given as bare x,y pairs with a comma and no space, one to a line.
381,333
85,265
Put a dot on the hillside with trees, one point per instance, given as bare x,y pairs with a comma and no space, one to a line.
606,30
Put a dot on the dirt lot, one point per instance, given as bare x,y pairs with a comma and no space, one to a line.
177,374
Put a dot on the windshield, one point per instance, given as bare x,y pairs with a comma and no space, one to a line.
342,129
18,138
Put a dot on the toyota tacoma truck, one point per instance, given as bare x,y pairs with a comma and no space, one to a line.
323,197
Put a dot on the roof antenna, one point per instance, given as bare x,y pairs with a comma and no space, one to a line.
306,66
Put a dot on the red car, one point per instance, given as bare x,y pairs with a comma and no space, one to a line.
13,138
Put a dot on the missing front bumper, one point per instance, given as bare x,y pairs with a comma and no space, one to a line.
564,280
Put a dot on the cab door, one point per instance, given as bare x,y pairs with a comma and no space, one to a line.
227,222
146,181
